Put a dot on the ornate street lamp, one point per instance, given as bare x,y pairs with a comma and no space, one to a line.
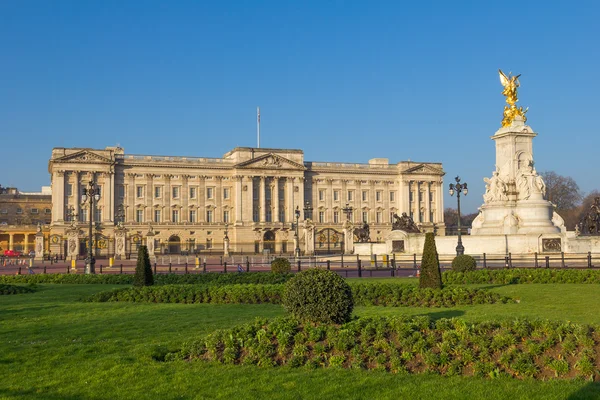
297,214
307,211
91,195
347,210
458,188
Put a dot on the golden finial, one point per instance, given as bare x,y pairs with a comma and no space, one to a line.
511,83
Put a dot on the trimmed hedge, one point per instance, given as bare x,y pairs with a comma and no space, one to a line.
237,294
12,289
523,275
396,295
318,295
464,263
380,294
143,269
281,266
519,348
431,276
159,279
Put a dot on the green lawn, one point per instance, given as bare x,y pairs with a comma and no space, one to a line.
54,347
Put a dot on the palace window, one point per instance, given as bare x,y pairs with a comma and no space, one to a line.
410,196
139,191
392,196
209,243
350,195
83,215
19,211
226,216
34,210
365,216
420,196
48,211
69,189
365,195
321,194
431,196
98,215
121,191
156,215
157,192
421,216
225,193
176,192
209,193
209,216
192,216
378,195
336,217
281,215
336,195
379,217
99,190
139,216
192,193
4,211
321,216
175,216
431,216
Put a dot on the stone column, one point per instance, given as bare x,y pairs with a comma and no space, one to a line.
386,203
405,193
250,200
11,241
130,209
261,198
372,203
25,243
357,209
111,193
202,199
226,246
328,201
219,200
238,218
427,202
58,196
149,197
167,198
289,193
184,195
275,199
39,246
76,200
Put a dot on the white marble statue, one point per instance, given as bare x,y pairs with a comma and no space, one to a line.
495,189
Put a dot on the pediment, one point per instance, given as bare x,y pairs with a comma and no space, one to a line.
423,169
85,157
270,161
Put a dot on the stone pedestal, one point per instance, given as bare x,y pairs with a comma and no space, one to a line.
309,237
150,246
514,198
348,238
226,246
72,243
120,235
39,246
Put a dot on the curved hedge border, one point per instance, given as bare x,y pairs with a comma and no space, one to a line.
519,348
159,279
522,275
393,295
12,289
216,294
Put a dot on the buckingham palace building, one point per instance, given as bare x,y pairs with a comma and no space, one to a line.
252,200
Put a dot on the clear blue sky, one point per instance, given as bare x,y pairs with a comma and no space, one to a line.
342,80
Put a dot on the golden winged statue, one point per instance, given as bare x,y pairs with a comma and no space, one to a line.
511,83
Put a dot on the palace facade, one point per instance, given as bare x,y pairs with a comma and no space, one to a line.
251,197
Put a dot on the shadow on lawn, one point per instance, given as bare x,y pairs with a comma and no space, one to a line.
442,314
589,391
32,394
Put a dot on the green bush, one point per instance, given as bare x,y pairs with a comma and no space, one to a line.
403,345
280,266
318,296
431,277
464,263
143,270
12,289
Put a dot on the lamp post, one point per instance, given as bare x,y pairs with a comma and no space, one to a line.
91,194
347,210
297,214
458,188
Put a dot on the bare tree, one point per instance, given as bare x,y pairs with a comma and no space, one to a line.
562,191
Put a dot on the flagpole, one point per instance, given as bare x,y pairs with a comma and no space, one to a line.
258,125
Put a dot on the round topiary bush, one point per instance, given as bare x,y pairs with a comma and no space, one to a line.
281,266
464,263
318,296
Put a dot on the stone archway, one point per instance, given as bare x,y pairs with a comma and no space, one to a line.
174,245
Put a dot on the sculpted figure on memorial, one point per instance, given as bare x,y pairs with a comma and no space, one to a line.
72,246
404,223
495,189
